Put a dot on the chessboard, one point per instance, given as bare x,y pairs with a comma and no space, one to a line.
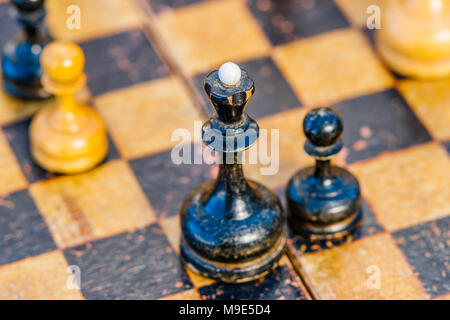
116,227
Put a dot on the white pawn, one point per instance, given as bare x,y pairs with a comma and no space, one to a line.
229,74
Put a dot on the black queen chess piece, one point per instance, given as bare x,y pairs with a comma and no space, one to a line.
233,229
324,201
21,67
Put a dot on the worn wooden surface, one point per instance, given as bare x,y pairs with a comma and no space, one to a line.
146,61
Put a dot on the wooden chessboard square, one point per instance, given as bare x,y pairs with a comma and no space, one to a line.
172,231
351,271
198,280
164,5
8,25
356,10
113,153
280,284
13,109
23,232
272,95
142,118
17,135
430,101
139,265
43,277
367,226
289,20
377,123
370,35
444,297
323,69
407,187
281,143
121,60
97,18
167,184
447,146
427,248
11,176
200,42
99,203
185,295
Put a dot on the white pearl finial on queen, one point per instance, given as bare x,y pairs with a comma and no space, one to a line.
229,74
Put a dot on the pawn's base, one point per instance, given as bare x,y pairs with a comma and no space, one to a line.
232,272
337,230
62,151
25,92
412,67
323,207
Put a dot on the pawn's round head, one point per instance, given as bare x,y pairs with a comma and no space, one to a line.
229,74
28,5
323,126
62,61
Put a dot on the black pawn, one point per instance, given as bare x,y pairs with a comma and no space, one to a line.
323,200
232,229
21,67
